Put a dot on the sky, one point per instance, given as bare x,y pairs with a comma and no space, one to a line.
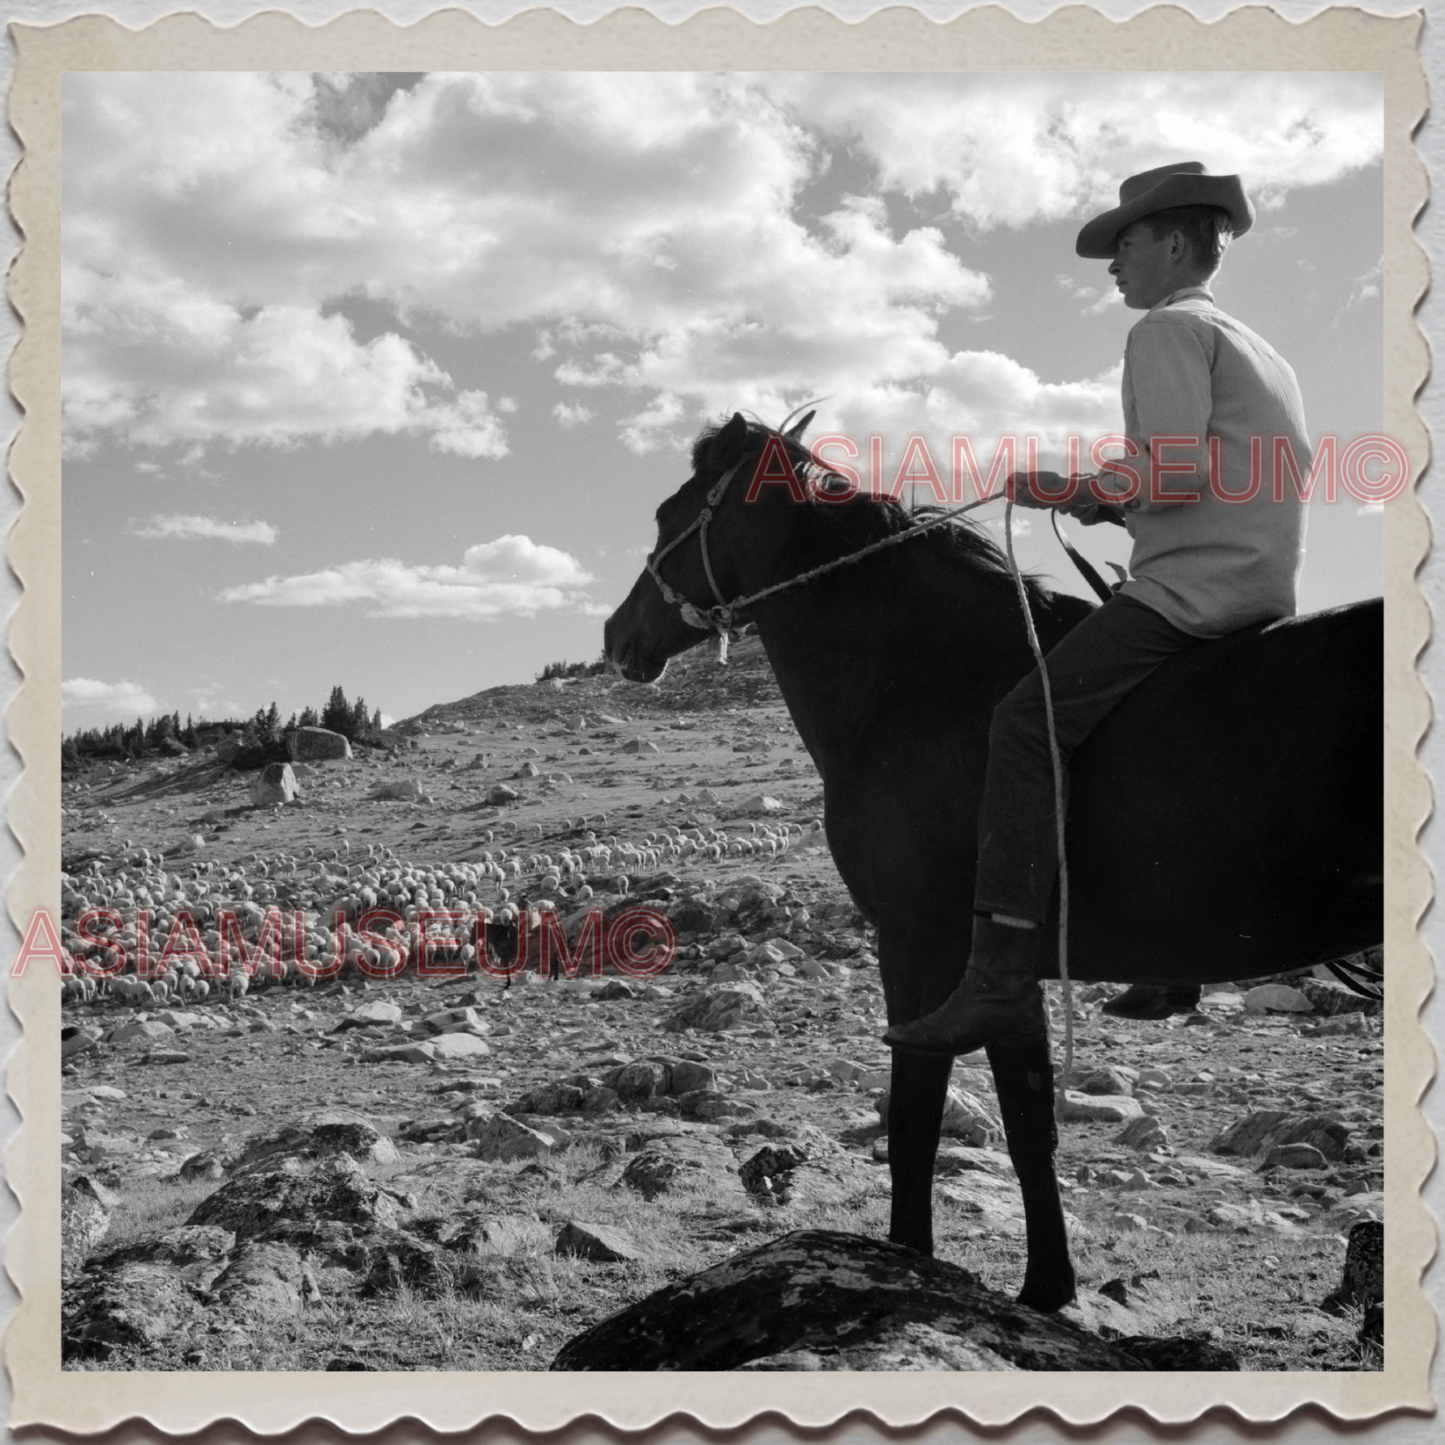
377,380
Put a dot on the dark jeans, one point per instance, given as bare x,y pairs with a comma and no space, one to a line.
1091,669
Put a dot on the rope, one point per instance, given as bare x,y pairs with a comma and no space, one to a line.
1058,806
915,531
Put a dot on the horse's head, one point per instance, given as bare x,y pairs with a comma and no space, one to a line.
714,545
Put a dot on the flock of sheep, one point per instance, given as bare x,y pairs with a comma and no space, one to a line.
139,934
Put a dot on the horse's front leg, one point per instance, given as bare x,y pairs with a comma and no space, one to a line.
917,976
1023,1078
915,1113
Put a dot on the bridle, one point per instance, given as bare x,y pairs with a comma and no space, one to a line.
719,618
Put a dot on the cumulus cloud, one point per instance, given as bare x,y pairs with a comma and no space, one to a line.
571,414
127,698
1368,285
509,576
645,233
155,370
180,526
988,398
1007,150
647,236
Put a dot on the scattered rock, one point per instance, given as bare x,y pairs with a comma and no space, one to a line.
1097,1109
1108,1080
75,1041
965,1117
1363,1279
378,1011
1145,1133
274,784
85,1206
602,1242
1294,1156
770,1166
458,1046
760,805
1265,1128
1276,998
499,1138
402,790
716,1010
1333,999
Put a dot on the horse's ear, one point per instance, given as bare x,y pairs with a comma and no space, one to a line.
798,428
727,446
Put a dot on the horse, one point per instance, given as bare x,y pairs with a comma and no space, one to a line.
1225,822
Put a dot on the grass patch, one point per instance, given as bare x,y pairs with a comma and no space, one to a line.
149,1207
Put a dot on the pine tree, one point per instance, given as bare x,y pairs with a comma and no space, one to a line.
359,719
271,728
309,718
336,715
189,736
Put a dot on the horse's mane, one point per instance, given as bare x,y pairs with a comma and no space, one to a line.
849,526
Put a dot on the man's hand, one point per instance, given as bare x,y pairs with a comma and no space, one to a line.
1080,501
1090,514
1034,489
1050,489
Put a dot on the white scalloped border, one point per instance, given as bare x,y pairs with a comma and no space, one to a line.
1073,38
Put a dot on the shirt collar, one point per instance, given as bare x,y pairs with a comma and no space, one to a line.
1184,294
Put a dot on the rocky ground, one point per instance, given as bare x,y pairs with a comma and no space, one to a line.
466,1173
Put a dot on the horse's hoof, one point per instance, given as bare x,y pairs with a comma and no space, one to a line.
1154,1001
1047,1299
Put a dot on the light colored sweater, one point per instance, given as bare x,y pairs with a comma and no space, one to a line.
1208,564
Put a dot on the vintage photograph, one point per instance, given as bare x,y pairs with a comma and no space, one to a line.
723,721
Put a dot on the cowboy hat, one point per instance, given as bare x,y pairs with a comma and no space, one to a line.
1181,184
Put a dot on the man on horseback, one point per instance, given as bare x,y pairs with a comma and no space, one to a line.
1217,538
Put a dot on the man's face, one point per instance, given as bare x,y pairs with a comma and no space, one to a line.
1145,269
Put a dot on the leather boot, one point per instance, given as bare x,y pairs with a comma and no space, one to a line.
1154,1001
999,1000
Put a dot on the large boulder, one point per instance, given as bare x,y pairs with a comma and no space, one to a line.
275,783
818,1300
335,1189
134,1306
318,1134
316,745
1363,1278
85,1209
1263,1130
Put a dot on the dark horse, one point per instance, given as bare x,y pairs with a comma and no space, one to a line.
1225,822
